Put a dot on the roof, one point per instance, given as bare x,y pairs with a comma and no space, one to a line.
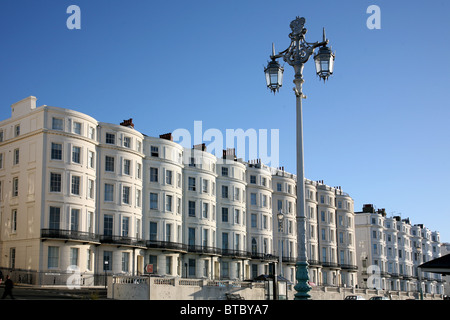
438,265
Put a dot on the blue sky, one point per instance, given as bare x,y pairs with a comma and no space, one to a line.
378,128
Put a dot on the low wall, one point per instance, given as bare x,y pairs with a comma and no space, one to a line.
153,288
128,288
186,289
149,288
339,293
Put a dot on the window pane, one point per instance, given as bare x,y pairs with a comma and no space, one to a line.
54,218
109,192
76,154
153,201
107,225
56,153
110,138
57,124
55,182
76,185
53,257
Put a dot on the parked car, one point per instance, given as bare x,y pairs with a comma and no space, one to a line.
379,298
354,298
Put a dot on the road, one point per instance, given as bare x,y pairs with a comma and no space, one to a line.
21,292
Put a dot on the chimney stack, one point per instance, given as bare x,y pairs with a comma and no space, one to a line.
201,147
22,107
167,136
128,123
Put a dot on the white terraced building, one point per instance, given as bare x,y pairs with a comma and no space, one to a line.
79,195
390,249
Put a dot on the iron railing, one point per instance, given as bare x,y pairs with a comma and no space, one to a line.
315,263
167,245
122,240
235,253
329,264
348,266
203,249
69,235
263,256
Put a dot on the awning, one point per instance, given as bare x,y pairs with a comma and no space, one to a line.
439,265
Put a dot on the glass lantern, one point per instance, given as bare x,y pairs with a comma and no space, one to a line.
274,75
324,60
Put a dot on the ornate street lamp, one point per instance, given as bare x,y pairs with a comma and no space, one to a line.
296,55
274,74
324,61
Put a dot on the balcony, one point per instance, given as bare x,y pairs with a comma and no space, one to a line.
203,249
348,266
314,263
237,254
166,245
263,256
289,260
328,264
122,241
69,235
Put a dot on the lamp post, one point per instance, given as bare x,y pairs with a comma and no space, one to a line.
419,272
296,55
106,268
280,217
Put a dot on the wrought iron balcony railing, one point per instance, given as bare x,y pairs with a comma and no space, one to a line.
263,256
235,253
69,235
203,249
122,240
315,263
167,245
329,264
289,259
348,266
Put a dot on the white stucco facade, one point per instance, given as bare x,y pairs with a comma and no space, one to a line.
102,198
390,249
